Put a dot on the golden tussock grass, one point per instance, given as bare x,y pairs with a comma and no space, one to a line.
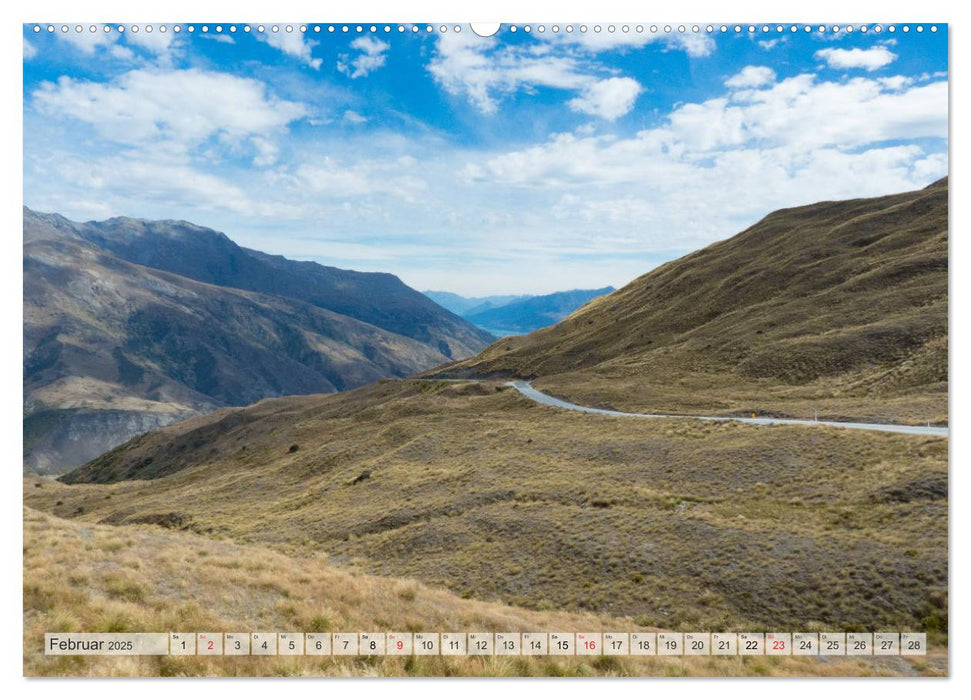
78,578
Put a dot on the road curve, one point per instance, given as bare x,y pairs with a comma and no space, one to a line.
527,390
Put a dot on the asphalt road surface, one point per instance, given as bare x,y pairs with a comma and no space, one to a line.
527,390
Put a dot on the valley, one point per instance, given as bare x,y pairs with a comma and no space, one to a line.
473,487
517,315
456,485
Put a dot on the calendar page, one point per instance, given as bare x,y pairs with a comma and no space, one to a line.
525,348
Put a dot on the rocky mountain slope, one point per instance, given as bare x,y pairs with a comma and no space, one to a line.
115,345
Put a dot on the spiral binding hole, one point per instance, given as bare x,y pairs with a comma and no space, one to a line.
513,28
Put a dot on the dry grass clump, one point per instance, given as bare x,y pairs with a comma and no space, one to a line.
177,589
676,523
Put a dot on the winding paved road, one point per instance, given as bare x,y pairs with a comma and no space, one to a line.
527,390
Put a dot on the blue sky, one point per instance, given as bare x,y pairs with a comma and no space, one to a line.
524,162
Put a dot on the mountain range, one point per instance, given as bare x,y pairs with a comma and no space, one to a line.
456,480
527,315
516,315
458,304
131,324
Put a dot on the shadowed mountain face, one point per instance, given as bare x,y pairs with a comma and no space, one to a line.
831,300
115,345
204,255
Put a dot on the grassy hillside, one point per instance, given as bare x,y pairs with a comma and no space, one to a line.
675,523
838,306
97,578
113,349
681,524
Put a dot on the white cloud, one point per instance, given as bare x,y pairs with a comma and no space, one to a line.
122,53
158,43
293,44
352,117
609,99
624,210
176,106
484,71
149,177
868,59
714,167
896,82
933,167
29,50
328,177
266,152
751,76
695,45
221,38
482,68
371,56
88,42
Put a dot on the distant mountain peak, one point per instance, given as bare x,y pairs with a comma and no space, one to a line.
129,324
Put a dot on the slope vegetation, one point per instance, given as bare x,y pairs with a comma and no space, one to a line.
838,306
143,579
676,523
